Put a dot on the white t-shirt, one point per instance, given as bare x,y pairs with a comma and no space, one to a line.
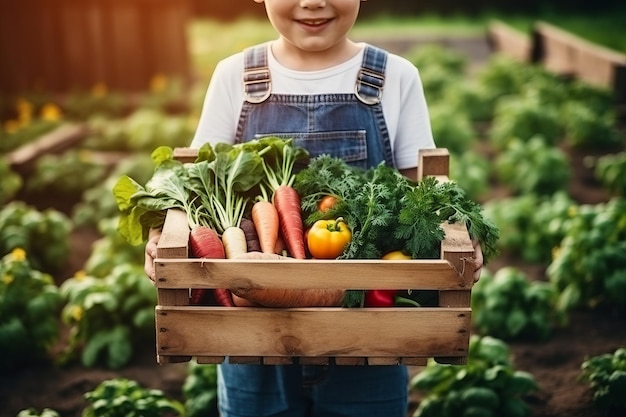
403,102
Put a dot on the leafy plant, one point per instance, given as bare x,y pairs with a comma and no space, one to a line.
200,390
472,171
610,170
606,376
585,128
10,181
122,397
32,412
44,235
533,167
524,117
98,202
108,316
488,385
29,306
509,306
452,129
532,226
71,172
589,267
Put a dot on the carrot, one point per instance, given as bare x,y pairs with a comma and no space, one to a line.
234,240
287,203
265,218
252,238
206,243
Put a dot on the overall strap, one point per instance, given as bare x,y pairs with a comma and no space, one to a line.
371,77
257,83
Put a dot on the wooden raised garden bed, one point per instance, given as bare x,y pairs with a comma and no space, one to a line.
508,41
364,336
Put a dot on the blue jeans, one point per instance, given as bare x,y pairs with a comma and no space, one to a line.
312,391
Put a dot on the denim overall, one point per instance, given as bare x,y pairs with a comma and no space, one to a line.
348,126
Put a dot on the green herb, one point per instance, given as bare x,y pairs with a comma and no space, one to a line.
386,211
606,376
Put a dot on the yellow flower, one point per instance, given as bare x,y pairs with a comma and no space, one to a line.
158,83
76,313
18,254
24,111
80,275
51,112
99,90
572,211
7,279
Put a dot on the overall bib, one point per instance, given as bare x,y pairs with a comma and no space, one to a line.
347,126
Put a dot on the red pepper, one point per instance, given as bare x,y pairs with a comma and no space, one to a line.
380,298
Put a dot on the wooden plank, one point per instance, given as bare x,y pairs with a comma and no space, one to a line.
508,41
312,332
64,137
303,274
433,162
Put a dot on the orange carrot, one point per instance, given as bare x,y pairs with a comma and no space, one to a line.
265,218
287,203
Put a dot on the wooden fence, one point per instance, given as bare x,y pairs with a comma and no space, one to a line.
64,45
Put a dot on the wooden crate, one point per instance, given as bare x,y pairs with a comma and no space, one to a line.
398,335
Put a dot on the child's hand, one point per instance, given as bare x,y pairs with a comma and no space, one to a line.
151,253
478,259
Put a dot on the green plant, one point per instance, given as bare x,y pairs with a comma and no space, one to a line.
532,226
488,385
10,181
589,266
585,128
29,306
122,397
108,316
452,129
509,306
200,390
71,172
606,376
32,412
610,170
524,117
533,166
44,235
471,170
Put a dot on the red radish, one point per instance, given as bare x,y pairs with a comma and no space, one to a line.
265,218
206,243
287,203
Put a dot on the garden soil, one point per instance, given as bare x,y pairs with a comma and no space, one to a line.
555,364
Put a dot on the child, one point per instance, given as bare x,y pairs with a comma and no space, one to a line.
337,97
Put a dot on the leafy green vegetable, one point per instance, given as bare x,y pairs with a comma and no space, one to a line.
488,385
200,390
509,306
122,397
386,211
29,306
606,376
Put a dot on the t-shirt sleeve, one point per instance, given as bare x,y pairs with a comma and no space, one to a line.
413,129
222,104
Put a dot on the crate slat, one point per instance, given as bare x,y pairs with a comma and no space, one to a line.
312,332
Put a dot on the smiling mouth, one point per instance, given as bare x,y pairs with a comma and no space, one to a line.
314,22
